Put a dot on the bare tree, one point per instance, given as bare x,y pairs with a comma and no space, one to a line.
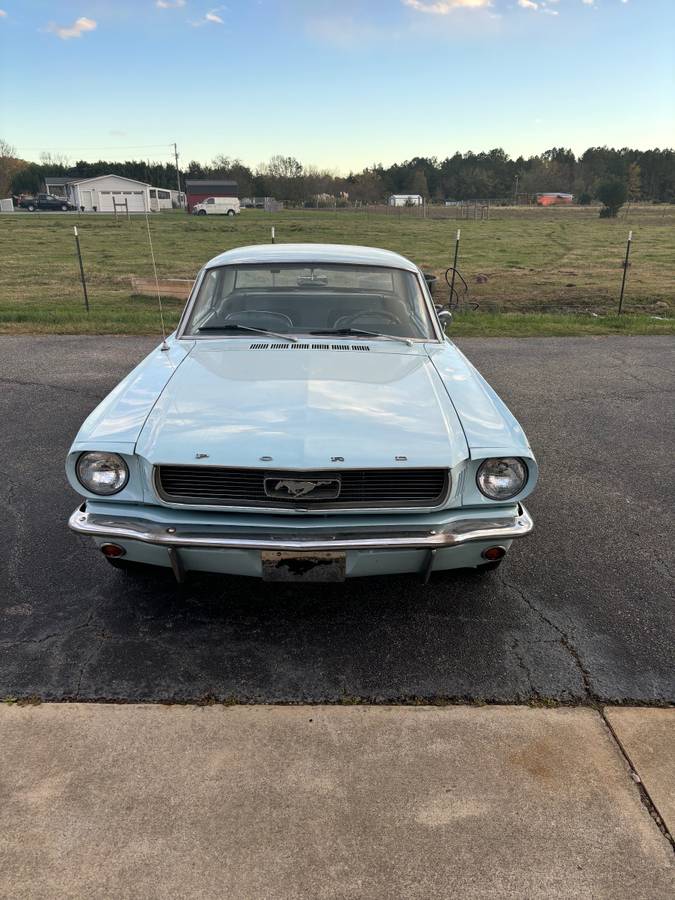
54,160
284,167
634,182
9,166
6,149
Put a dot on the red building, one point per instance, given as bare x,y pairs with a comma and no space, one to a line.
553,199
200,189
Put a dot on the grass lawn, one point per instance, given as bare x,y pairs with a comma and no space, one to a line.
547,269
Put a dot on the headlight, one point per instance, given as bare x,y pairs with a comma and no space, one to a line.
102,473
501,479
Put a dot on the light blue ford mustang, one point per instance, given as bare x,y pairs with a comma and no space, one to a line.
308,420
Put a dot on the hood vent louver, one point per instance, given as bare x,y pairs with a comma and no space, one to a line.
260,346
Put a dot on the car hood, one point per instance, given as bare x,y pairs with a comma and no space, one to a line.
230,405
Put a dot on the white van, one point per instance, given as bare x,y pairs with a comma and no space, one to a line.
222,206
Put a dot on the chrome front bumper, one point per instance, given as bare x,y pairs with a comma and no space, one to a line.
370,537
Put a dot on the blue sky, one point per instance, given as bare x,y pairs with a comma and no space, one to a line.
337,83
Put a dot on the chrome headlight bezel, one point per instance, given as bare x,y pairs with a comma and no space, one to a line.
102,459
492,466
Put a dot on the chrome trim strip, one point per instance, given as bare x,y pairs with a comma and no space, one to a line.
372,537
431,309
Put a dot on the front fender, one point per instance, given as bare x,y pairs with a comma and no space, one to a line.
120,417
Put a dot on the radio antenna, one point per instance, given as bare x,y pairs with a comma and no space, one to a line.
165,346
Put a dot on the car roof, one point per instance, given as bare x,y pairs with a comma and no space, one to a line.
312,254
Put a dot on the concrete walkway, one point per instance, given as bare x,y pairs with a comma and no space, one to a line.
105,801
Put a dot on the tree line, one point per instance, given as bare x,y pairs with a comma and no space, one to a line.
645,175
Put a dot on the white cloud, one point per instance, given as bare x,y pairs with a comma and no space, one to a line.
443,7
2,14
76,30
169,4
540,6
588,2
210,17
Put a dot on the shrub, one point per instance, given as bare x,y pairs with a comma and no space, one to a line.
612,194
28,180
585,198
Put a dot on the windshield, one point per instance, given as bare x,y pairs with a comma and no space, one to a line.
302,299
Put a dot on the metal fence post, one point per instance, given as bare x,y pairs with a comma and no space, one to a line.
79,257
625,270
454,267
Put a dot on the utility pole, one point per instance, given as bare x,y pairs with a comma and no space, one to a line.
175,153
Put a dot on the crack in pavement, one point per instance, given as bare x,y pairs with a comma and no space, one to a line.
102,636
66,632
8,645
636,395
622,366
517,652
663,566
645,796
563,640
55,387
20,529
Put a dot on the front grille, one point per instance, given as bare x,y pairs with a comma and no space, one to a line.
359,488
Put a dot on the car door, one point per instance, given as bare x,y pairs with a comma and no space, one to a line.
210,206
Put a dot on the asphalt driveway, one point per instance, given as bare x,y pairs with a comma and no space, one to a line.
581,611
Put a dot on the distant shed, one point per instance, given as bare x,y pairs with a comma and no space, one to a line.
554,199
406,200
200,189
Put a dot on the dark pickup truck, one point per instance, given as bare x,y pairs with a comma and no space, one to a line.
45,201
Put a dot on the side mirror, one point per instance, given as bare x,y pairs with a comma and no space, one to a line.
445,318
430,280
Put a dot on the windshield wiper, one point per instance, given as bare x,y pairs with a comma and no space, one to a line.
358,332
235,327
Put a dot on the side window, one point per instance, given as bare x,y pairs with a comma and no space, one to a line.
207,294
211,200
209,288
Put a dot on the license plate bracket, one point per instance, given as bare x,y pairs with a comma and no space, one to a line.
308,566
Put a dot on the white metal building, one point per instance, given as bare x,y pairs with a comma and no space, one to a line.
163,198
99,192
406,200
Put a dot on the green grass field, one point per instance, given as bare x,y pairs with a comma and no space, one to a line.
547,269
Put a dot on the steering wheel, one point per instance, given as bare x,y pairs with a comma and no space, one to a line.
379,315
254,317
